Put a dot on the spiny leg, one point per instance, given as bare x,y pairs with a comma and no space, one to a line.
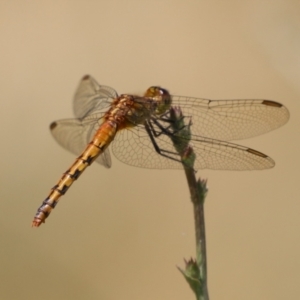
160,151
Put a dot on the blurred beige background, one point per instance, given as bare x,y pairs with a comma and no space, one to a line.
120,233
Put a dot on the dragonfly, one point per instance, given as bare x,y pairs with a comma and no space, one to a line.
140,131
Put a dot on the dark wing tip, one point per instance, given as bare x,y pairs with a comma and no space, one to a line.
86,77
272,103
257,153
267,163
53,125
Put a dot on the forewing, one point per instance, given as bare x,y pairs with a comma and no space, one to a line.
74,135
232,119
90,97
134,147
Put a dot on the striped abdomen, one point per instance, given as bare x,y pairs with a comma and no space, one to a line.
101,140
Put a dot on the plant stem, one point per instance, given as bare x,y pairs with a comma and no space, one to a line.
198,192
195,271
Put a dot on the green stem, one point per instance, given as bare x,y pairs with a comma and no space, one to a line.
195,271
198,192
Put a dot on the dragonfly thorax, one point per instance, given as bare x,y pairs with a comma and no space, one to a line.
161,97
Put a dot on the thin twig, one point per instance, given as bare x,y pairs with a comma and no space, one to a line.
195,271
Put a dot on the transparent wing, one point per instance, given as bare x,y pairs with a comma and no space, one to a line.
90,97
212,121
232,119
134,147
74,135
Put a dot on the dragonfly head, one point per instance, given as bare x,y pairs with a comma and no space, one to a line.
161,96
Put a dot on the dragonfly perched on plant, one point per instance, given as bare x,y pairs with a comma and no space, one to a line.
141,132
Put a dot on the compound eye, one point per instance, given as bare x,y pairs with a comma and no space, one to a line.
165,96
156,91
163,92
152,92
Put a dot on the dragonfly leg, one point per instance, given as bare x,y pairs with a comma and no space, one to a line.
169,154
162,129
166,130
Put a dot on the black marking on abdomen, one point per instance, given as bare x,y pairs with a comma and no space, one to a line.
46,213
88,161
75,175
63,190
49,202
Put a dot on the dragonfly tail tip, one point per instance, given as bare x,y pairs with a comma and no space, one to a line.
36,223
